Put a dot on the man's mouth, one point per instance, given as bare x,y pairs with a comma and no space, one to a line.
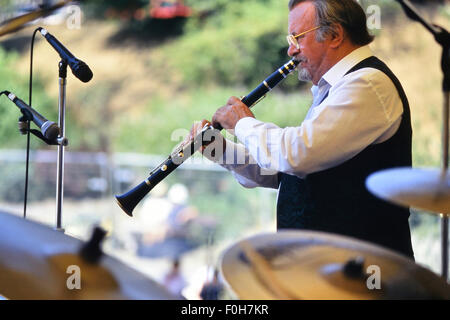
302,61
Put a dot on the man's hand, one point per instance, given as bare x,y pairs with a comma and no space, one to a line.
228,115
196,129
213,150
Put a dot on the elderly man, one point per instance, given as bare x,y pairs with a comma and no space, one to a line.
359,123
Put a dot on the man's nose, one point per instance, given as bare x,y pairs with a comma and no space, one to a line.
293,51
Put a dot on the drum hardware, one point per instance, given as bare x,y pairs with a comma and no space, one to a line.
293,264
353,268
263,272
427,189
91,252
37,262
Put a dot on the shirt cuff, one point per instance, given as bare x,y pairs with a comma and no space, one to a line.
243,125
228,156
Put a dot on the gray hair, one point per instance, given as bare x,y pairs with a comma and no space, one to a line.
347,13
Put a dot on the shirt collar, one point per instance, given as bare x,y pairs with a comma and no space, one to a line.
320,86
336,72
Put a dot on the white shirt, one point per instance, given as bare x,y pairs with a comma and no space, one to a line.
362,108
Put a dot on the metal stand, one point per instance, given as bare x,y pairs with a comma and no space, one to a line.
444,217
24,128
60,163
443,38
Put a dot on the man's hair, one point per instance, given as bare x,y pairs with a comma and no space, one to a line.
347,13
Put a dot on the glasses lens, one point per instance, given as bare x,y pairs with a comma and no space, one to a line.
292,41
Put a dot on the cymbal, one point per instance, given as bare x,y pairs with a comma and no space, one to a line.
427,189
37,262
15,24
296,265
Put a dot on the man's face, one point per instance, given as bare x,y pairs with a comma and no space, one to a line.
311,54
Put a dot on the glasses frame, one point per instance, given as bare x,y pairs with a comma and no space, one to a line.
292,40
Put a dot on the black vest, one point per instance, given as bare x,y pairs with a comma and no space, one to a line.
336,200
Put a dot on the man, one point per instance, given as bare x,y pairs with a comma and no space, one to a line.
359,123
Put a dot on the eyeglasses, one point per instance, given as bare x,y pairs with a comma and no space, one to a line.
292,40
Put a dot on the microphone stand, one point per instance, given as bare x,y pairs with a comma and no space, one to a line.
442,37
61,146
24,127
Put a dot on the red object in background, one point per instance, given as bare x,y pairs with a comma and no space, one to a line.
169,10
183,11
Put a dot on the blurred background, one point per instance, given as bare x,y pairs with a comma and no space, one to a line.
158,67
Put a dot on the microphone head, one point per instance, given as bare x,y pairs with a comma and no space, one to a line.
81,70
50,130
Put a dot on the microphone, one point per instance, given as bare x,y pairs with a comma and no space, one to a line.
79,68
49,129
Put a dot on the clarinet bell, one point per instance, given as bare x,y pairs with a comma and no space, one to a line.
128,201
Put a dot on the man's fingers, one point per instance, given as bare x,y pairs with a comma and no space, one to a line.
197,128
233,100
217,116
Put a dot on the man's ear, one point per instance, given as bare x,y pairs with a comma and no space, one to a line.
337,36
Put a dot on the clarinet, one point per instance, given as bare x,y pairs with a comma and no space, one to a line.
129,200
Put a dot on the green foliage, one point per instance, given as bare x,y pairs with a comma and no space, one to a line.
151,129
249,36
92,130
5,4
163,123
11,81
239,44
445,11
